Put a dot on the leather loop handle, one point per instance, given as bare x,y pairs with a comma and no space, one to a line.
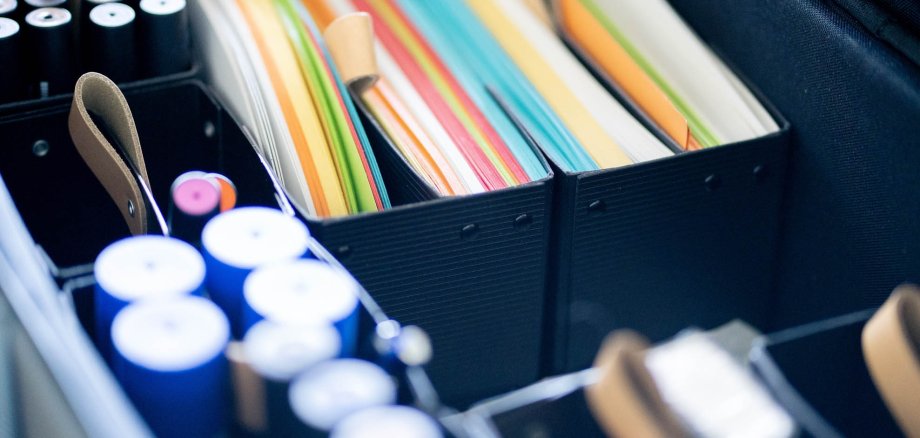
891,346
97,94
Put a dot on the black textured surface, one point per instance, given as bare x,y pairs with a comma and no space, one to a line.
68,211
479,297
853,197
659,246
824,364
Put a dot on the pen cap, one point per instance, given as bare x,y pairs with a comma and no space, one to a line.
164,37
170,362
195,199
8,8
332,390
138,268
12,74
280,352
51,50
240,240
387,421
108,41
304,292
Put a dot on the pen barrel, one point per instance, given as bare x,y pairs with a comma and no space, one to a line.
108,42
9,9
238,241
170,361
137,268
51,50
304,292
165,37
12,78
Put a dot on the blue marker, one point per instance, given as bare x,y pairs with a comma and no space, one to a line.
238,241
138,268
333,390
387,421
170,361
304,292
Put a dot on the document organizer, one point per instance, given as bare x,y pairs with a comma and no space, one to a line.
72,218
818,373
687,240
471,270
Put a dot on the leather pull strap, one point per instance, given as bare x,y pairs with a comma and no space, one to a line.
625,400
100,96
891,346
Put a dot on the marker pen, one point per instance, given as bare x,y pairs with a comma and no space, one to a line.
333,390
164,37
108,42
194,200
240,240
51,50
170,361
139,268
12,79
277,354
304,292
387,422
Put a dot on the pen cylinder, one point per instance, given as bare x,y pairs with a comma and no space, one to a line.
108,42
139,268
51,50
304,292
330,391
277,354
165,37
170,361
195,198
9,9
12,76
238,241
387,421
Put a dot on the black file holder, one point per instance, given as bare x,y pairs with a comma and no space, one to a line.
181,127
470,270
688,240
818,373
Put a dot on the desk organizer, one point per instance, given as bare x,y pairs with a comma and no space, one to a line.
817,372
687,240
471,270
71,217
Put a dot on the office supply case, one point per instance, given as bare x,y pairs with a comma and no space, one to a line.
687,240
818,373
72,218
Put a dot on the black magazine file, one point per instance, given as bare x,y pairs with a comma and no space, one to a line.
687,240
818,373
470,270
853,191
